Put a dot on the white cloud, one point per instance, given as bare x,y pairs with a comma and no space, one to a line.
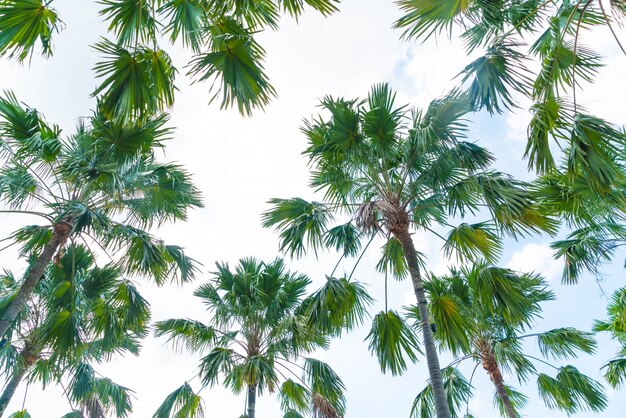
536,258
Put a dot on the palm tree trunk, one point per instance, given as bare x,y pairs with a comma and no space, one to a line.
251,400
10,388
60,233
491,366
29,357
432,359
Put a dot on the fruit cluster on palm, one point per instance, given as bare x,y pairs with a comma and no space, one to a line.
79,314
255,341
388,171
485,314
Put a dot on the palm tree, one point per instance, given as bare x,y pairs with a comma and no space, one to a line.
485,313
499,78
392,171
256,338
101,186
615,369
137,75
78,313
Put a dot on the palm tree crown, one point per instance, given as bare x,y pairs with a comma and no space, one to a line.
256,340
79,314
102,186
485,313
137,75
390,171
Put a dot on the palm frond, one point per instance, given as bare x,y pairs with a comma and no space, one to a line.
22,24
130,20
327,389
234,65
392,260
470,242
563,343
337,306
193,335
182,403
424,18
571,391
301,224
495,75
393,342
137,83
294,397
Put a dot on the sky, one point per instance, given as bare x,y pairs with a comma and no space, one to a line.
241,162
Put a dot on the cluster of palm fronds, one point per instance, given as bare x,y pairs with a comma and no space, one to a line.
384,172
137,75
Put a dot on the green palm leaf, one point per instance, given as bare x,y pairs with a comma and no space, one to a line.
571,391
137,82
294,397
234,66
469,242
182,403
300,223
494,75
187,20
424,18
22,24
130,20
392,340
565,342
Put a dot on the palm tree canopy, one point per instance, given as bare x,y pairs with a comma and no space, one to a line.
487,311
615,324
256,336
79,313
372,156
137,75
103,181
500,78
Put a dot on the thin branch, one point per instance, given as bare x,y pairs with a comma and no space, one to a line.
542,361
582,14
28,212
608,23
361,256
470,384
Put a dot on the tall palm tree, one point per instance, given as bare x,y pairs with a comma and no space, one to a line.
499,78
391,171
615,369
78,313
102,186
256,338
485,313
137,74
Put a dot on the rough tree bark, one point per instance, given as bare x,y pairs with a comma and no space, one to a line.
60,233
29,359
490,365
251,400
400,229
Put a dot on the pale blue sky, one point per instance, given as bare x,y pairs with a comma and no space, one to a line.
239,163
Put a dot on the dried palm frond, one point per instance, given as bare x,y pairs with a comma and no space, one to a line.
322,408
